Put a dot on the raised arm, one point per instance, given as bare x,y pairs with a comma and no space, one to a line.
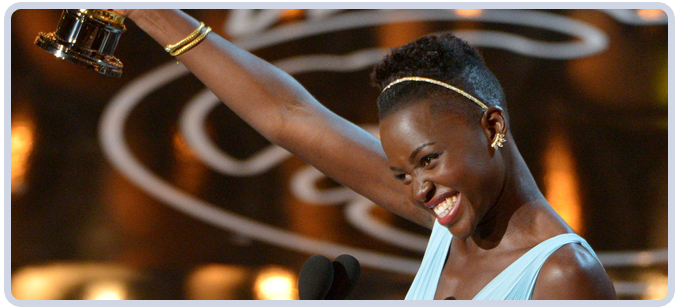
279,108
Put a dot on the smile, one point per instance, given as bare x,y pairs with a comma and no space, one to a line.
446,206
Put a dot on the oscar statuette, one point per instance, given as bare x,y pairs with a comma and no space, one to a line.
88,38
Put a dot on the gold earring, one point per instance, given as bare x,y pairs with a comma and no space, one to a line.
498,140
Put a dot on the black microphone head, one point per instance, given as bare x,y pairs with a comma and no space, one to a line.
346,273
315,278
352,266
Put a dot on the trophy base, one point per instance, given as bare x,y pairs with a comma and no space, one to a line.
103,64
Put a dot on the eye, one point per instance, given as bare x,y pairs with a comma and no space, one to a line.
402,177
425,161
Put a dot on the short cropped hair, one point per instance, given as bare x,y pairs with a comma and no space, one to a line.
443,57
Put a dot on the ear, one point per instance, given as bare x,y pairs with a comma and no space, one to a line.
493,121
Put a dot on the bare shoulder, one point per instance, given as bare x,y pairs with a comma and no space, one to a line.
572,273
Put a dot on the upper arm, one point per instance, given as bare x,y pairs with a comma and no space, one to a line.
349,155
572,273
277,106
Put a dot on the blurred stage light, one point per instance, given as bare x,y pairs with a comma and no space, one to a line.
468,13
22,145
60,281
656,285
182,150
216,282
292,14
651,14
275,283
561,182
33,284
105,290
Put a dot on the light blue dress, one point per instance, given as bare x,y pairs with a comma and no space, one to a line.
516,282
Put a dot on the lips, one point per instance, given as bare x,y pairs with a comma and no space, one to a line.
445,206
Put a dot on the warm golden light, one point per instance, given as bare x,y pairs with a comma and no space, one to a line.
182,151
216,282
651,14
292,14
22,145
60,281
189,173
657,286
561,183
275,283
108,290
468,13
31,284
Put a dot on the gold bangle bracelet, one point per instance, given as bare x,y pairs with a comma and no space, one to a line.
173,47
192,43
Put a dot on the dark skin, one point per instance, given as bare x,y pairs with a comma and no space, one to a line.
503,213
281,110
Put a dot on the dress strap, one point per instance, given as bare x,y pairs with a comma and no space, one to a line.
517,281
428,276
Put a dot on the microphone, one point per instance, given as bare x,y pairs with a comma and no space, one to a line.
321,278
346,273
315,278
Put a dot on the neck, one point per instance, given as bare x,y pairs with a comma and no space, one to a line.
516,206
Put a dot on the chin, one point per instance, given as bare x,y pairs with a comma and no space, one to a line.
459,232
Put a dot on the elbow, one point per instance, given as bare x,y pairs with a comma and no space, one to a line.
283,126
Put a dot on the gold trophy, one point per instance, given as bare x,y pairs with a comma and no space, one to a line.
87,38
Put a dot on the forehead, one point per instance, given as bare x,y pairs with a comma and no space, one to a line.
414,125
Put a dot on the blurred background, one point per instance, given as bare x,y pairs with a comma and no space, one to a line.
147,187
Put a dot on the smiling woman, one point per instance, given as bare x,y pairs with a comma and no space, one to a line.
445,137
446,146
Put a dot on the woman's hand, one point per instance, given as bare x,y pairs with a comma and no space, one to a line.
123,12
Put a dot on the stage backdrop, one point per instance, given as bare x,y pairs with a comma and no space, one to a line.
148,187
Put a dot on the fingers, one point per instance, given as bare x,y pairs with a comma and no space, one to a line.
122,12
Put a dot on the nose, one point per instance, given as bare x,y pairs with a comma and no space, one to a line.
423,191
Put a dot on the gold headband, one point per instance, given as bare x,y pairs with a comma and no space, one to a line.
433,81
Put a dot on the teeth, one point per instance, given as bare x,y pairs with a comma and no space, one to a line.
445,207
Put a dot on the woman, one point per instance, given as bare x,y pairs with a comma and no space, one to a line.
446,160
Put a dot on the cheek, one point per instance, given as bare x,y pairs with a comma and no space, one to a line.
468,176
471,161
485,182
471,175
480,166
468,166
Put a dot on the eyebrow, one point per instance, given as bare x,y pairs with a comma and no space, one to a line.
413,154
418,149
